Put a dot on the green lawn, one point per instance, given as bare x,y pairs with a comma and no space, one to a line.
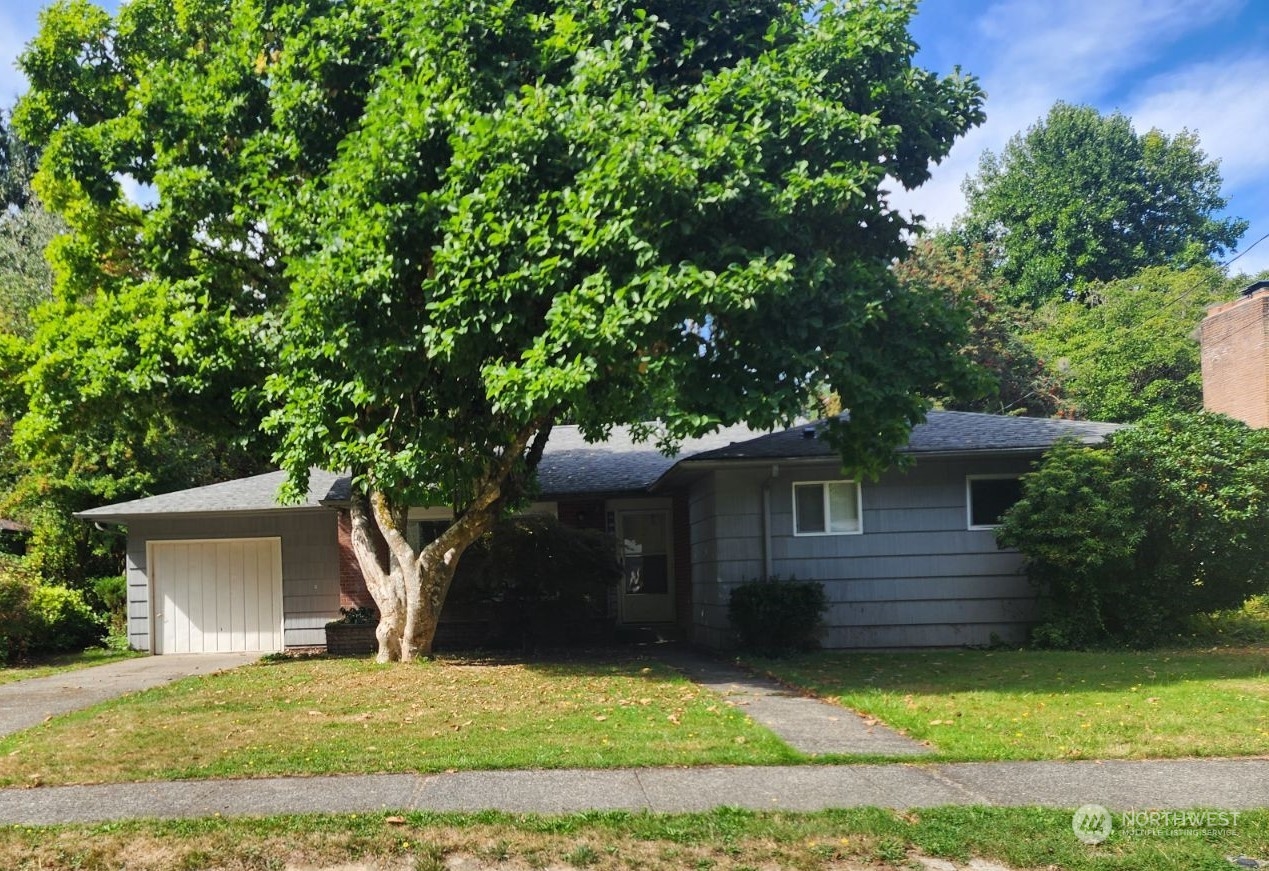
983,705
65,662
722,840
324,716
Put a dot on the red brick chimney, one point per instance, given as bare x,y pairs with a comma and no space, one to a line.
1235,356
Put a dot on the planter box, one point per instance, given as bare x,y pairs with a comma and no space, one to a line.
350,639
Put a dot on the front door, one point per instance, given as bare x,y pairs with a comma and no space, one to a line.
647,577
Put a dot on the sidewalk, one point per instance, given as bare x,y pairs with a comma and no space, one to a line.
1224,784
808,725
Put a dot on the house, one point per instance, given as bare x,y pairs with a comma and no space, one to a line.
907,561
1235,357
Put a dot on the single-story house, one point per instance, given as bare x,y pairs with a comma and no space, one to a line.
907,561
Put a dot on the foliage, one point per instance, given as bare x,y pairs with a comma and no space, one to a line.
1131,542
541,581
773,616
1082,197
1129,349
432,230
363,616
38,618
111,594
17,623
1018,382
26,229
64,620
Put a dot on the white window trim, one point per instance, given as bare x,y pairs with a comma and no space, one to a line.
859,508
969,496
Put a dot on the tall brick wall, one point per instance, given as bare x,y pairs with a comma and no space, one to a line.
1235,359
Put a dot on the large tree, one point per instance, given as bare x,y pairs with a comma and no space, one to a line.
433,228
1130,348
1082,197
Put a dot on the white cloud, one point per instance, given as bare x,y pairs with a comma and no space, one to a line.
1031,54
1224,101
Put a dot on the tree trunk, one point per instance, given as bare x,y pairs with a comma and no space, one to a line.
409,588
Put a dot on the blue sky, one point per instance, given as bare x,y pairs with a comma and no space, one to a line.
1170,64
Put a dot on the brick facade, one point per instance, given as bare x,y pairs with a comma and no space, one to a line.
1235,358
352,584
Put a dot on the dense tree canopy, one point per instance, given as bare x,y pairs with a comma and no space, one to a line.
1082,197
1130,348
1015,377
434,228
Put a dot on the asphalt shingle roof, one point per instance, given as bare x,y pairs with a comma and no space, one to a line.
942,432
571,466
257,493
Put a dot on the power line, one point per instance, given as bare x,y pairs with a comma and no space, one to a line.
1245,250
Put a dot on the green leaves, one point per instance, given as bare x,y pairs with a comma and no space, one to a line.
1081,197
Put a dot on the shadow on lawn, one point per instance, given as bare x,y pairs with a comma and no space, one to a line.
839,674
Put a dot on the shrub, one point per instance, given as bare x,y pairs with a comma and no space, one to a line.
539,580
772,617
111,595
17,620
64,621
1130,542
36,618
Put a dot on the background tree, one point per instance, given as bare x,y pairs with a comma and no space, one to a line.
26,229
435,228
1016,379
1129,349
1082,197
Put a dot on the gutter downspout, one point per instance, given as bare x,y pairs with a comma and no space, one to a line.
766,522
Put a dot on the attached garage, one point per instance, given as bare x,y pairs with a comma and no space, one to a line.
216,596
227,568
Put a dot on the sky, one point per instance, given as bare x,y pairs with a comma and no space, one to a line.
1168,64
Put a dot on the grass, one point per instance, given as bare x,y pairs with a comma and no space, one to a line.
986,705
721,840
327,716
65,662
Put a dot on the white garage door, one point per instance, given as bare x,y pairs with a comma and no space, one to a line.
217,596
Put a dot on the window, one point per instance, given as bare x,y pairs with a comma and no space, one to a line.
989,497
826,508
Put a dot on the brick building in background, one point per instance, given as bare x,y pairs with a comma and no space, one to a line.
1235,357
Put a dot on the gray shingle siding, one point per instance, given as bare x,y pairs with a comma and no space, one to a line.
915,577
310,566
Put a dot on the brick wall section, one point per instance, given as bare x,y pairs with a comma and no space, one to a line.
352,584
1235,359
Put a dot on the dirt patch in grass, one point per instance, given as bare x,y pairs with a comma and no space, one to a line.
984,705
326,716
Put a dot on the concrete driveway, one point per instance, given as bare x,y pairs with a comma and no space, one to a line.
28,703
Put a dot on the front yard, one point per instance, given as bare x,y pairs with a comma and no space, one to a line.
976,705
328,716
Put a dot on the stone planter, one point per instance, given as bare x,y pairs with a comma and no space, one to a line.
350,639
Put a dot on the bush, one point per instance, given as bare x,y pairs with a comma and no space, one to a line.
111,595
1130,542
65,622
772,617
38,619
539,580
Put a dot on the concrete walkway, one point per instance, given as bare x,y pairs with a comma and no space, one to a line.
27,703
1222,784
806,724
